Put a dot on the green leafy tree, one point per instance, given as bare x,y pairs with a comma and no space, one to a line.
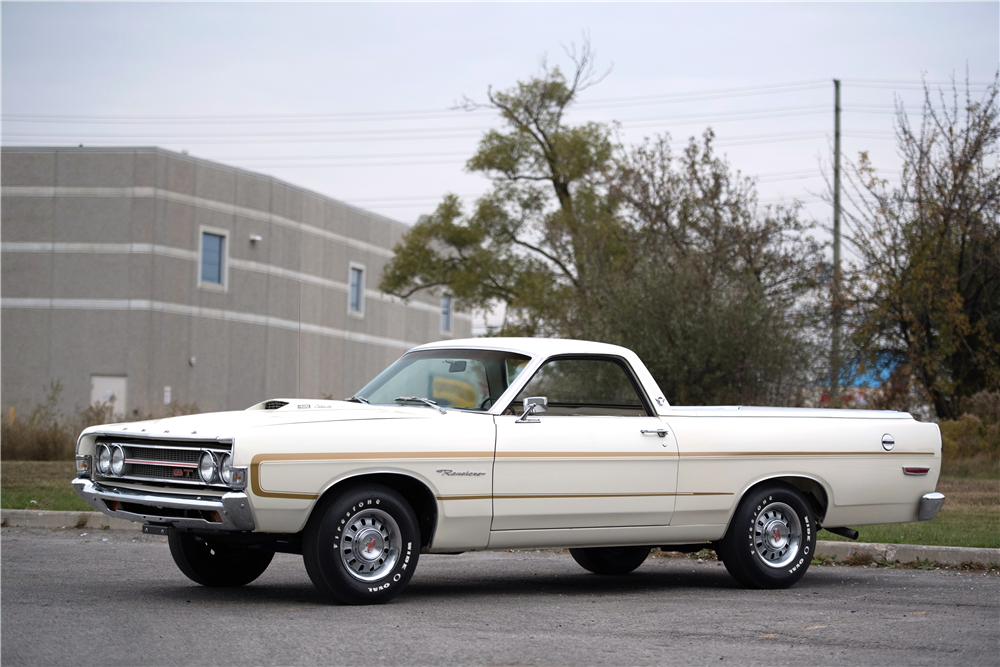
926,283
581,237
719,294
544,233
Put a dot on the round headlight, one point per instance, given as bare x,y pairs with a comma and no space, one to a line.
117,461
207,467
103,459
226,468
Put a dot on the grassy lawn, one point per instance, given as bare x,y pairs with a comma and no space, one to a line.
970,518
45,482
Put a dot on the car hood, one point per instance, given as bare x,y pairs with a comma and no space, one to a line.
212,425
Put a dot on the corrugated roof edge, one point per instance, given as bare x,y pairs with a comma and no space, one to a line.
206,161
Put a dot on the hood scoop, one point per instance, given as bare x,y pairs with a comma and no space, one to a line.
274,405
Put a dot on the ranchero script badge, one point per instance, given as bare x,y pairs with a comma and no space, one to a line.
464,473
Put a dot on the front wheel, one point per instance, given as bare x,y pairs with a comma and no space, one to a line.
362,546
214,563
610,560
771,538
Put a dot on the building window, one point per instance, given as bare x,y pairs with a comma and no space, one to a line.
356,291
212,268
446,314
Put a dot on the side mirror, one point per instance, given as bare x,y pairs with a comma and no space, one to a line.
533,405
536,404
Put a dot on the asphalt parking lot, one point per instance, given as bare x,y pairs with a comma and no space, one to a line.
116,598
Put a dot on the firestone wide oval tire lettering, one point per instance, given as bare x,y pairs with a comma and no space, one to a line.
771,539
362,546
610,560
213,563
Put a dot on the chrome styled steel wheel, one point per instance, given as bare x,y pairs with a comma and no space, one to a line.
771,539
370,546
362,545
777,535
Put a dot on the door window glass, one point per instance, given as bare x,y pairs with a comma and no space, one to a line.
465,379
591,386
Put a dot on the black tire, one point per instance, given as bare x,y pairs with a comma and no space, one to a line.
610,560
362,546
213,563
752,556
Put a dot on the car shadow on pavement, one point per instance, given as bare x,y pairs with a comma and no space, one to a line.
433,583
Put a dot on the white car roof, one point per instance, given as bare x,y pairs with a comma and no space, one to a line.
534,347
541,348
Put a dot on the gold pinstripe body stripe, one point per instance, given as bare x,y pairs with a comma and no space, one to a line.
345,456
584,455
456,456
519,496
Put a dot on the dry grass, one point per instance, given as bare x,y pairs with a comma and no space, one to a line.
971,494
47,435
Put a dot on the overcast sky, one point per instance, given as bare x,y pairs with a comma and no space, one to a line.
136,74
174,60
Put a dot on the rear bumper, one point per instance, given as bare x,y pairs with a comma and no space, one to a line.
930,505
230,512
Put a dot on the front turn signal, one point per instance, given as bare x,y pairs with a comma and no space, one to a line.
83,466
238,478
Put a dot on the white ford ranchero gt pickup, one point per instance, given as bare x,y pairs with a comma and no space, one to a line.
498,443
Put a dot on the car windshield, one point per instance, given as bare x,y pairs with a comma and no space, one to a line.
464,379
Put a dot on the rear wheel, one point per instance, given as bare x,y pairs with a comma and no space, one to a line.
771,539
610,560
362,546
210,562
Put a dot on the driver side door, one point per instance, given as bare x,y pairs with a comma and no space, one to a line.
585,462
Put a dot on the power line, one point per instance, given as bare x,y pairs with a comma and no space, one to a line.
340,157
360,116
684,97
418,198
193,142
717,117
420,113
912,82
754,138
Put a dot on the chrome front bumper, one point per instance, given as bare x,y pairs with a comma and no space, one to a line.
230,512
930,505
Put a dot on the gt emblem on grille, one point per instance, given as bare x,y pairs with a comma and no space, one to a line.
178,472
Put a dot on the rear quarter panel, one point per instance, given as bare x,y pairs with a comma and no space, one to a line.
723,456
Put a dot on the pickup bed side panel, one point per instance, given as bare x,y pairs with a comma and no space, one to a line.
722,456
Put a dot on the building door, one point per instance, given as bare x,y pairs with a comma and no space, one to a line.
104,387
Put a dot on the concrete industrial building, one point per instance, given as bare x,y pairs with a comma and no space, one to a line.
159,277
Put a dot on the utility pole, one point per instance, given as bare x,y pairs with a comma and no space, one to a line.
837,306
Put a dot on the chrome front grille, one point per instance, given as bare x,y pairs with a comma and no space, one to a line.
164,463
162,454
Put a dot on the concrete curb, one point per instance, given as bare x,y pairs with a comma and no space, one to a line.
907,553
50,519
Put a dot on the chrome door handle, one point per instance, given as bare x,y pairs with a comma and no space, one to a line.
662,432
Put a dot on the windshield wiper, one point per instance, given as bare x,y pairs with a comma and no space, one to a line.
358,399
418,399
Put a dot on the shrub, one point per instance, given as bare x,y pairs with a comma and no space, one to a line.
47,435
971,443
